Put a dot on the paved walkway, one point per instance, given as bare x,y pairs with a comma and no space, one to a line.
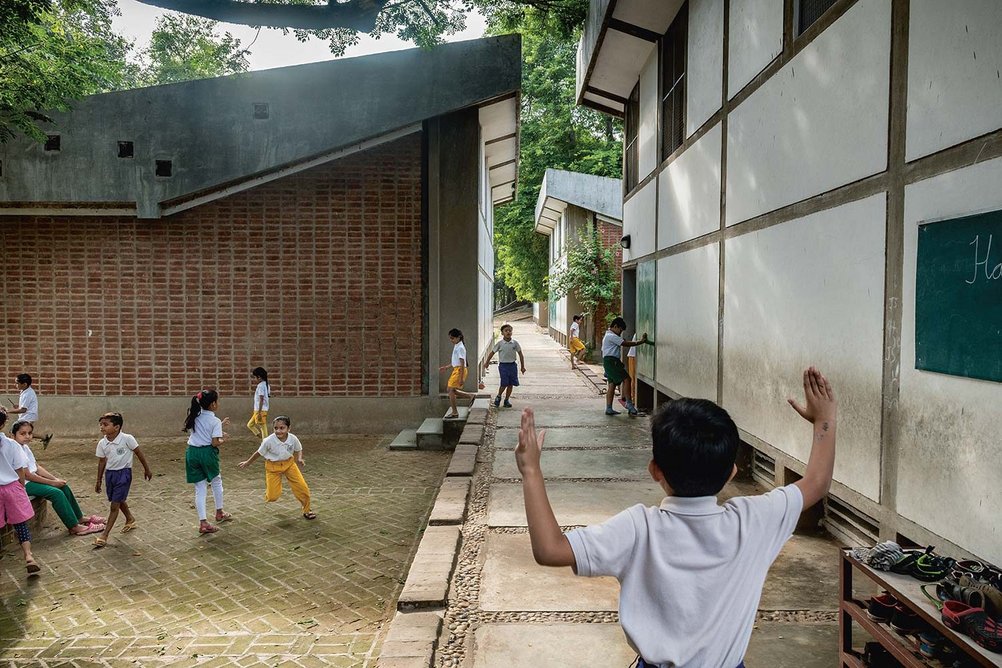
269,589
506,611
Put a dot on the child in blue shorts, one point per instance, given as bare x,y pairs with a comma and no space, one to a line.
114,468
508,351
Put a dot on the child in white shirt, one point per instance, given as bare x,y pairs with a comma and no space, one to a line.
201,459
15,507
114,452
281,452
258,423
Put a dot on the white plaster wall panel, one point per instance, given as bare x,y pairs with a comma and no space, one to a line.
754,39
704,75
648,131
639,221
689,192
819,123
687,322
954,59
947,427
810,291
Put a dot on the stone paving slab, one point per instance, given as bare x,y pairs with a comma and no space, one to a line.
410,640
450,504
627,464
427,582
785,645
577,413
583,437
518,645
512,580
464,460
574,503
801,577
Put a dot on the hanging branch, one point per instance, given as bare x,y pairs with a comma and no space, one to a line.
358,15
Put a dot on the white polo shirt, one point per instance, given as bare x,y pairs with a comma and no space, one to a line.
458,353
207,427
29,458
261,391
275,450
690,571
11,459
29,400
575,330
117,452
507,351
612,344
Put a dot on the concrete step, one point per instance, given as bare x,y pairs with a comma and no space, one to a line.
464,413
482,403
429,434
405,440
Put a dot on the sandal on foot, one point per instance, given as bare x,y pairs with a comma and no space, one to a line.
100,541
93,519
87,529
222,516
129,526
32,566
310,515
207,528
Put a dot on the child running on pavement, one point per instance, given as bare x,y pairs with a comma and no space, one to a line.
258,423
615,373
281,452
201,459
114,465
508,351
15,507
574,344
460,369
43,484
690,571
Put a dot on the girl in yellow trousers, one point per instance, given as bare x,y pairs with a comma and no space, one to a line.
281,452
258,423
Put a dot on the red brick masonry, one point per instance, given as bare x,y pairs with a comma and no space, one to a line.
316,277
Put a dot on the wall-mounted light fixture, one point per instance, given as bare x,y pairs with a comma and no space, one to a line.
625,241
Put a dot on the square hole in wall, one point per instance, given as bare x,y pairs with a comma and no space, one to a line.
261,110
125,149
52,142
165,168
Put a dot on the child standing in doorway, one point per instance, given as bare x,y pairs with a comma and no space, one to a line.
43,484
281,452
460,369
508,351
258,423
615,373
201,459
15,508
574,344
114,466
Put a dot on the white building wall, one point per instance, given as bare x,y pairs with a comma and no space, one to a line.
954,59
810,291
948,426
648,130
754,39
485,261
801,133
687,322
639,221
704,62
689,192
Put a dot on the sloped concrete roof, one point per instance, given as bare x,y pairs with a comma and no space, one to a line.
248,128
600,194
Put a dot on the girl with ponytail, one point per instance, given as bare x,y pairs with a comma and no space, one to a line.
201,459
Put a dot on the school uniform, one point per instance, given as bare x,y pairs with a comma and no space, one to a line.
612,363
258,423
279,460
118,467
61,498
29,401
508,361
460,369
15,507
575,345
691,572
201,459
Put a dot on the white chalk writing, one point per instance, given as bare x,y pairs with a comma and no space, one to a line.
992,273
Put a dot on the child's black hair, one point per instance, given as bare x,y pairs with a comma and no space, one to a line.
577,317
695,446
506,326
114,418
16,427
199,403
24,378
262,373
617,322
283,418
3,417
456,333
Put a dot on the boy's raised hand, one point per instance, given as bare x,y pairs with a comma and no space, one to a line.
530,444
821,403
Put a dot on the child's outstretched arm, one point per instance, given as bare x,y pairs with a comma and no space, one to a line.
487,362
147,472
550,546
639,342
247,462
821,410
521,360
101,463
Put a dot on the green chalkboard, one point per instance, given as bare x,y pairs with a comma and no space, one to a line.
958,297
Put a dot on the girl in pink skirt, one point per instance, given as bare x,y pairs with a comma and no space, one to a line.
15,508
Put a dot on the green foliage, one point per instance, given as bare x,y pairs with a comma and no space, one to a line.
183,48
590,275
554,133
53,51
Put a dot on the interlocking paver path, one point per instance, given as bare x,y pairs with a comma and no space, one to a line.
269,589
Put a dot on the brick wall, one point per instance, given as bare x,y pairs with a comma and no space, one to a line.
610,235
316,277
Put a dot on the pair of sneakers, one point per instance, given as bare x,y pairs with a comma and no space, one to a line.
630,409
497,402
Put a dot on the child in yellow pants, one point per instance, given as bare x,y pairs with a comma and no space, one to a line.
282,451
258,423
